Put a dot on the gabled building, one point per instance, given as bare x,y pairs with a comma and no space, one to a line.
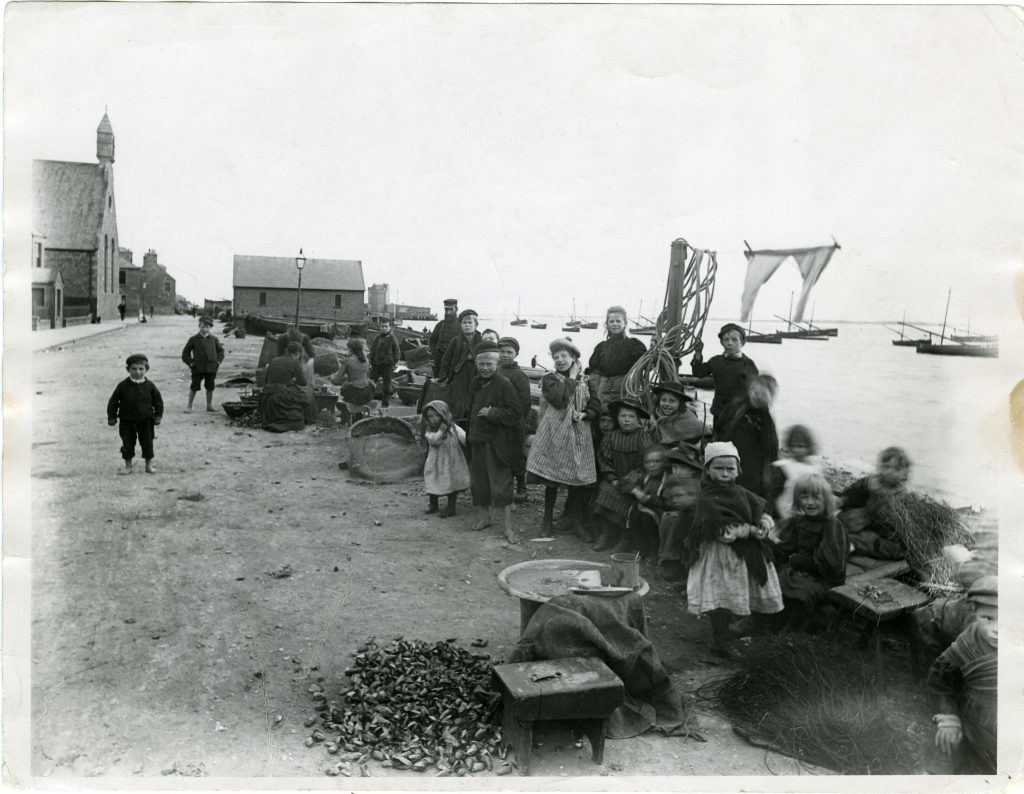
332,289
74,223
147,286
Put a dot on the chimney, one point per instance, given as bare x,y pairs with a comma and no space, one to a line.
149,258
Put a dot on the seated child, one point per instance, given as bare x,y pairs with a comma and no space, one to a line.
812,550
445,473
733,571
620,456
673,420
962,682
802,458
645,515
731,371
680,494
867,507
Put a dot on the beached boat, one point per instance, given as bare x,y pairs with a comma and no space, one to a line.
261,325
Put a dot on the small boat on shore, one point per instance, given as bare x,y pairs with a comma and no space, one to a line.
260,325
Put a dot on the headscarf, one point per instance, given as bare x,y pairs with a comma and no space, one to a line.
442,410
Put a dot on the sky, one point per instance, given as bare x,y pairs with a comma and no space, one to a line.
541,155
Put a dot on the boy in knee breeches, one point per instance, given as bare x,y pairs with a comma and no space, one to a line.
137,404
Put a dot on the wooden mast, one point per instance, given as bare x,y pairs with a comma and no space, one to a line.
942,339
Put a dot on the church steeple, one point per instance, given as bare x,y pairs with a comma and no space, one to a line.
105,141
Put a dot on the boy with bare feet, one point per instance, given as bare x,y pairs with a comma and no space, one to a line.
202,355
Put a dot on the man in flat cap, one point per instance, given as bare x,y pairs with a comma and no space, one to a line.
202,354
444,332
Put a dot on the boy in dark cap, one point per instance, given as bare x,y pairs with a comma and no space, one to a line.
444,332
202,354
384,354
457,367
963,685
731,371
137,403
494,417
508,349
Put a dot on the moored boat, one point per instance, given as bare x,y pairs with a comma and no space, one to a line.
960,349
538,326
764,339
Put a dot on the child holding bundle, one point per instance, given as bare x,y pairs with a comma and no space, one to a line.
801,459
867,507
645,515
733,572
812,550
445,473
618,460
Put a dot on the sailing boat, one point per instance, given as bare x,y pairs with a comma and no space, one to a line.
901,342
539,326
519,320
760,338
573,321
987,338
643,330
980,350
799,333
590,325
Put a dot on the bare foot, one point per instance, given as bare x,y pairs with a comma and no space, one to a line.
511,537
125,470
150,469
211,409
188,410
483,523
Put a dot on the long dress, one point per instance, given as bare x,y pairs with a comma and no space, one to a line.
621,457
445,471
563,449
733,570
286,401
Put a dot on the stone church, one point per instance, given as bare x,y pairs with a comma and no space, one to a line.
74,236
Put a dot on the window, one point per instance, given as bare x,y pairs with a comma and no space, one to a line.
263,299
167,288
58,303
122,278
37,296
106,264
337,301
39,254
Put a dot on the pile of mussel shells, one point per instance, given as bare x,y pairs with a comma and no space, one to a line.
415,706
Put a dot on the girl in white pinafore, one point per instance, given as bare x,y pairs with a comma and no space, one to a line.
445,473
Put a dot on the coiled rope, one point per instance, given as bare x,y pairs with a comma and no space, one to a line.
670,345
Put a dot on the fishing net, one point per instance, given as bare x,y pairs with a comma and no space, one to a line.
676,338
810,699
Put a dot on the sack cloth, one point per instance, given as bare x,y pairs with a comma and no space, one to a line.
614,631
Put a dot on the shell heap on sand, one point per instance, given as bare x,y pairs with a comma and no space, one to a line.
411,705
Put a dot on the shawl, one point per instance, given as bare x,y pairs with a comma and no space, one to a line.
722,506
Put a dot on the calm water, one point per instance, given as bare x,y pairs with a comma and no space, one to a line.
859,394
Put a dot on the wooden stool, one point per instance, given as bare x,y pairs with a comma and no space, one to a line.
579,689
892,600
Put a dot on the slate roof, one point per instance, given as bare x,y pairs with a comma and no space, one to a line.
67,203
279,272
44,275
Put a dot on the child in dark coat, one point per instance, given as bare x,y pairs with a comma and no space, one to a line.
867,507
645,515
137,403
747,422
680,493
812,550
731,371
618,461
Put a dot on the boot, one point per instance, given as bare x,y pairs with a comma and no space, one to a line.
609,537
433,504
566,521
721,644
547,525
449,509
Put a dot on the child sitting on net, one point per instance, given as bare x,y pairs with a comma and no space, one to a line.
962,683
644,516
801,451
733,572
673,422
446,472
869,507
811,552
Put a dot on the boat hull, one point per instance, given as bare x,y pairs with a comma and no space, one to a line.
909,342
518,322
813,337
538,326
972,351
764,339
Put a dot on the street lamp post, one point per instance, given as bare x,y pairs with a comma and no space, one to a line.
300,262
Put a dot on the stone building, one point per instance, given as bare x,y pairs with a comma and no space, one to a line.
74,223
148,285
332,289
377,298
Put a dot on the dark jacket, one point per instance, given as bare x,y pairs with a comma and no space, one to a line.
500,428
442,335
135,402
616,355
285,369
559,391
203,354
385,350
521,384
731,376
457,355
817,547
294,335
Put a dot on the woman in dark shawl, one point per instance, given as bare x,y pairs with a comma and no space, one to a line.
613,358
458,367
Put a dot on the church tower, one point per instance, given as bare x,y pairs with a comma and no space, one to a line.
105,141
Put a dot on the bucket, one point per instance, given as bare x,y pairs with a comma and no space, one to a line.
625,571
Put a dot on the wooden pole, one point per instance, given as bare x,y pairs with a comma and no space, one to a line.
942,339
789,320
673,303
903,325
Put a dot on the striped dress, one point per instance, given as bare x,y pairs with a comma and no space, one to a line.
563,448
621,454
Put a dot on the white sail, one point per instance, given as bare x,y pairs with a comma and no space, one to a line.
761,266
